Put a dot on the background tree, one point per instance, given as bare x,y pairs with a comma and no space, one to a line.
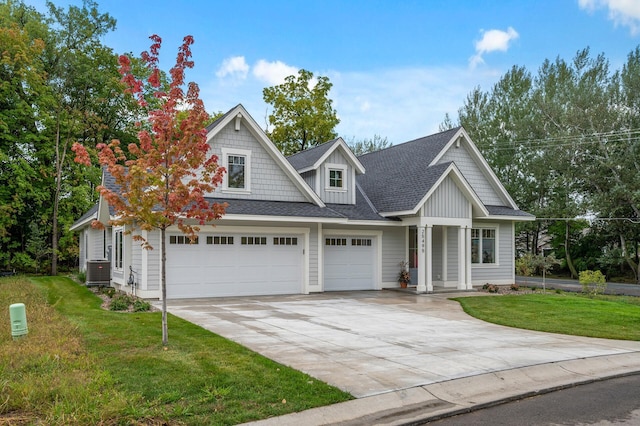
59,85
565,144
167,175
366,145
302,114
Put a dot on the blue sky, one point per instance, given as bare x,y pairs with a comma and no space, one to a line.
396,66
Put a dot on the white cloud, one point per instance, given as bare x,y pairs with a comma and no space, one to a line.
621,12
235,66
273,72
492,40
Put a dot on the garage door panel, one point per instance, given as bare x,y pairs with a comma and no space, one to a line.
234,269
351,266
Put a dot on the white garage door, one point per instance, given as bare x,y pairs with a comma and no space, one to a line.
221,265
349,263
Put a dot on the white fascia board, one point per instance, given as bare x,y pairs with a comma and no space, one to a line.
346,151
82,224
400,213
262,138
495,182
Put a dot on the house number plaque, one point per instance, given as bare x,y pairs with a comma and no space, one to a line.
422,241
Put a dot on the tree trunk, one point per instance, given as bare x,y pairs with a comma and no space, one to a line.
56,205
572,268
165,330
635,268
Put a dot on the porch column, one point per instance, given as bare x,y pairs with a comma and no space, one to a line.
462,259
468,258
429,258
422,283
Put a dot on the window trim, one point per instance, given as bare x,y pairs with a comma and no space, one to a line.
118,249
328,168
233,152
496,251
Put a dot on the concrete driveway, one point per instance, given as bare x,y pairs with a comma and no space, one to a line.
369,343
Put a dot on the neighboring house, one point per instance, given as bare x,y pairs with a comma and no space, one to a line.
325,220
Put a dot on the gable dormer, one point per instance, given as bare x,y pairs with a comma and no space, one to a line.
330,170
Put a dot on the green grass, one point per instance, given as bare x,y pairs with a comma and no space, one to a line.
611,317
81,364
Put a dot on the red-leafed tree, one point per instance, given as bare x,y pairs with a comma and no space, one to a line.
164,177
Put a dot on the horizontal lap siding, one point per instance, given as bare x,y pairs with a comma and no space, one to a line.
153,261
452,253
504,270
394,251
267,180
313,259
436,262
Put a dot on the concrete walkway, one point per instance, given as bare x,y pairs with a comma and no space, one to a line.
404,356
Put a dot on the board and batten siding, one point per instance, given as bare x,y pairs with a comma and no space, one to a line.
310,178
394,251
503,271
474,175
336,196
447,201
267,180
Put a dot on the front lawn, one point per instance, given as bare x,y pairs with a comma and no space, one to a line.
80,364
610,317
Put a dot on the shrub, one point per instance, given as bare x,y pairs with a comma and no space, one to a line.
82,277
141,305
491,288
515,287
120,302
593,283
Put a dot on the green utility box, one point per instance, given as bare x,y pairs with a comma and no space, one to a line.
18,317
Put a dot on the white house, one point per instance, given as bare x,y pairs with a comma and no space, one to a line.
326,220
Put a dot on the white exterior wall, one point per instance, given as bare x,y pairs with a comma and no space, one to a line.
502,272
473,174
267,180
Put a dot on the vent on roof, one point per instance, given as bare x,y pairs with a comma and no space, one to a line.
98,272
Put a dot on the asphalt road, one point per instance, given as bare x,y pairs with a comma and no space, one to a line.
574,285
608,402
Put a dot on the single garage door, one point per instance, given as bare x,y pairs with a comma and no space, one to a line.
349,263
220,265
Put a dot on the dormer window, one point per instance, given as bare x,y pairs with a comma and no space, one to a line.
238,165
335,177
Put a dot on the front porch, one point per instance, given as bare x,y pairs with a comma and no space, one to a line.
440,256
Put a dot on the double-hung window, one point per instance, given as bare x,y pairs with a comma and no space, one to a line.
483,246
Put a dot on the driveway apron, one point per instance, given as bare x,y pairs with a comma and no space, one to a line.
373,342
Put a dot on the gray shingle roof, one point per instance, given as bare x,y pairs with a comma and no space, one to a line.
506,211
275,208
92,212
308,157
398,177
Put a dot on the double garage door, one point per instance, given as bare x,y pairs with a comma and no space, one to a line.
349,262
238,264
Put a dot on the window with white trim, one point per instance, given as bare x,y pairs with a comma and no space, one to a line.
238,165
119,249
483,246
336,177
